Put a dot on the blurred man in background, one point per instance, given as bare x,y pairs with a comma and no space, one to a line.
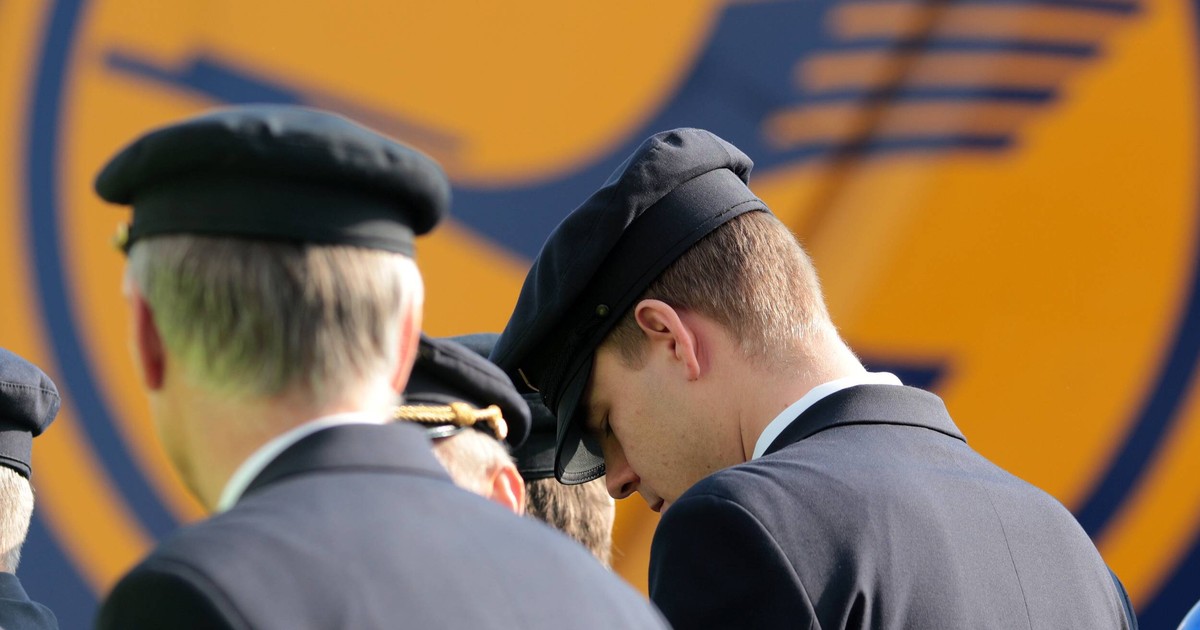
472,413
274,308
679,332
28,404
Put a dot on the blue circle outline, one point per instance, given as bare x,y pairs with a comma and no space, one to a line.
42,204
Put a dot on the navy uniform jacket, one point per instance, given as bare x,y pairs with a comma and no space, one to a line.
870,511
18,612
359,527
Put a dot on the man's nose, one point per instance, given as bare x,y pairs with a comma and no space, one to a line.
621,480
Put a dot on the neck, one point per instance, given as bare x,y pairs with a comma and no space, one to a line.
219,435
770,389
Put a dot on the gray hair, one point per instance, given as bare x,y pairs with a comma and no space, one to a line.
16,508
252,319
470,456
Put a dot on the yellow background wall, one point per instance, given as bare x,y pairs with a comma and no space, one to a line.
1000,198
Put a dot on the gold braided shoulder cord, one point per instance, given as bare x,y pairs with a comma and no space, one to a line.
458,414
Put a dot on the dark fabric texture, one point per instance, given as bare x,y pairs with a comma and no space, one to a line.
359,527
871,511
535,458
18,612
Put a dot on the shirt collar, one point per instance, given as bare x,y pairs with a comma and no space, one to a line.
785,418
267,453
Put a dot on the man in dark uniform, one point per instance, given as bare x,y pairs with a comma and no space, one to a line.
678,331
28,404
583,511
275,309
472,413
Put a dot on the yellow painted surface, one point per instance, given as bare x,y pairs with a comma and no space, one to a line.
880,68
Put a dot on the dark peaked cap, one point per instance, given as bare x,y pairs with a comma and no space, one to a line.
28,404
677,187
447,371
535,458
273,172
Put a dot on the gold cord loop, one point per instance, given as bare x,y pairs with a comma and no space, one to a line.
459,414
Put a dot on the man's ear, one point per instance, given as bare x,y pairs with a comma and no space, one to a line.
411,318
148,350
508,488
666,328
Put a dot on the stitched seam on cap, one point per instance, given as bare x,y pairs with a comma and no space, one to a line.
33,387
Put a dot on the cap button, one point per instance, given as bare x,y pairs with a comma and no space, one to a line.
120,240
602,310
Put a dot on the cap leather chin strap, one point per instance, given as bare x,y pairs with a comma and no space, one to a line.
457,414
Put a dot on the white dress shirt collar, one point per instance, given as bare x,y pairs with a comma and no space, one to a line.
785,418
267,453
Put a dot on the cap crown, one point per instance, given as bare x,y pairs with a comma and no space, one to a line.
277,172
29,402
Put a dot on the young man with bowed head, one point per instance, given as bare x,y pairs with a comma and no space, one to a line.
274,309
678,331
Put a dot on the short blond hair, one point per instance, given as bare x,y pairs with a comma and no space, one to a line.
583,511
16,509
752,277
254,319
